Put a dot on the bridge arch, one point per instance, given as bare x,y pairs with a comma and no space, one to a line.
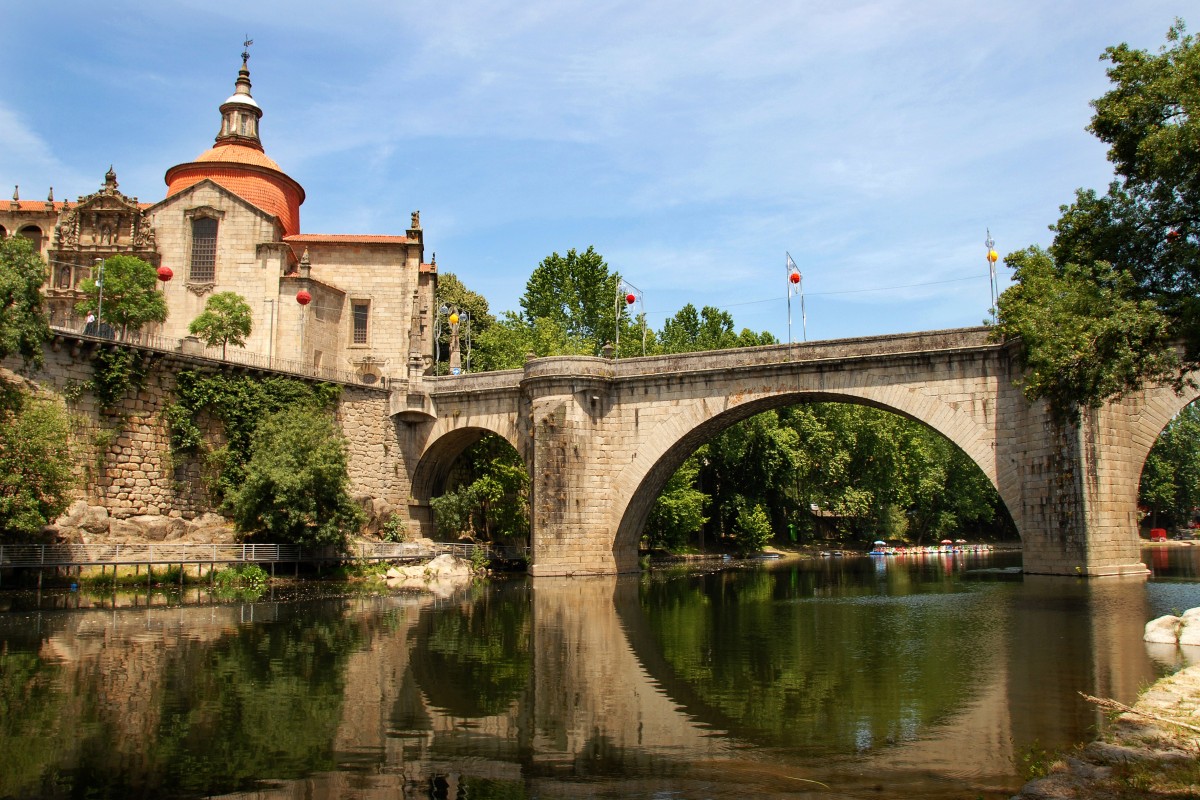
663,450
442,449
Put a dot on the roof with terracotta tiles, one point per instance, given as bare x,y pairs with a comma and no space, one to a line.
346,238
238,154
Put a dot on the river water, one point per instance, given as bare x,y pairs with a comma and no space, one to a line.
834,678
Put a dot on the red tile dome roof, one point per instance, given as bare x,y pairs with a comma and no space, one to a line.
237,162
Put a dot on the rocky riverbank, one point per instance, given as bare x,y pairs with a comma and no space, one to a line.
1149,751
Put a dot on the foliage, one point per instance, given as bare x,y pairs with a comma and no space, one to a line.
678,511
576,291
491,499
130,294
1137,246
1086,337
1170,484
394,529
239,404
752,529
116,370
23,322
226,318
248,576
295,487
711,329
35,462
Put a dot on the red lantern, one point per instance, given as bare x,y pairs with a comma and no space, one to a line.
303,297
165,274
794,277
629,298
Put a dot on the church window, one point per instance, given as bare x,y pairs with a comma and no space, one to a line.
362,311
3,232
204,250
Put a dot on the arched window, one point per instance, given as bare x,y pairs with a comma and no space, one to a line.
204,250
3,233
34,234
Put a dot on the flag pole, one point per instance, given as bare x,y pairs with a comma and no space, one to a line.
787,277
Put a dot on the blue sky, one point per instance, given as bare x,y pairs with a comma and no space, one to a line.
692,143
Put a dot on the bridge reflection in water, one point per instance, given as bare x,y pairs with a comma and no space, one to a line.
763,683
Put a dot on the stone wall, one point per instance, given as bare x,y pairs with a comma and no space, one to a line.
123,458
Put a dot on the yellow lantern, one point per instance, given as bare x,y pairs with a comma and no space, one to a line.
992,256
454,319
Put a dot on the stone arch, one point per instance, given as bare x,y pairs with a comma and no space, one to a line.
441,451
1158,407
663,450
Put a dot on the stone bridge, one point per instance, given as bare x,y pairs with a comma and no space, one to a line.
601,437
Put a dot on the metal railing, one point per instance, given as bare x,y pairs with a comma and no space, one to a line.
78,555
229,355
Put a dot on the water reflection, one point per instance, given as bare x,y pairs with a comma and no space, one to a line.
911,679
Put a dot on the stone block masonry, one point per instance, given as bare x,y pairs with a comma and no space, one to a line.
123,457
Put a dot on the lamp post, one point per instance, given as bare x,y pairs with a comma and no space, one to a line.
456,319
992,257
99,295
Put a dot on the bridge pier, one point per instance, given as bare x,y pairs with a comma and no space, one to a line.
1078,507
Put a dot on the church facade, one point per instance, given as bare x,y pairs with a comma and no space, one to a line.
230,222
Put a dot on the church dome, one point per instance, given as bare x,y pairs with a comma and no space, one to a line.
237,162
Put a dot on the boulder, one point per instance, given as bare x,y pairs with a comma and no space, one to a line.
93,519
156,528
1189,627
1164,630
123,531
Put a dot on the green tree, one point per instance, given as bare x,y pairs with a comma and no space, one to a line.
1137,245
35,462
1170,484
295,489
226,318
678,511
23,324
576,291
490,498
130,294
710,329
1086,336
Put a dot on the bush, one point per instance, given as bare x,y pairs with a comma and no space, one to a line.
752,530
35,462
295,487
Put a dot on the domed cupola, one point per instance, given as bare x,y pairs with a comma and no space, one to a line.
240,114
237,161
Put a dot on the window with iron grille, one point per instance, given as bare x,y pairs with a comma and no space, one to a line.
204,250
362,311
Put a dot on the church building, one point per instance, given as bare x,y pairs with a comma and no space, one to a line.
230,222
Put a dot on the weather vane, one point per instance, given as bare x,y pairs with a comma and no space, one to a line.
246,53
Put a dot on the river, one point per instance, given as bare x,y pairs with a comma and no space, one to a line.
833,678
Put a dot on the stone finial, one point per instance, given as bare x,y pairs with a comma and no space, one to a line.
433,260
15,205
416,221
110,178
608,351
305,264
50,197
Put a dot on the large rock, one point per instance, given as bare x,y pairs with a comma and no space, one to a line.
1164,630
443,576
93,519
208,529
1189,630
377,510
157,528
